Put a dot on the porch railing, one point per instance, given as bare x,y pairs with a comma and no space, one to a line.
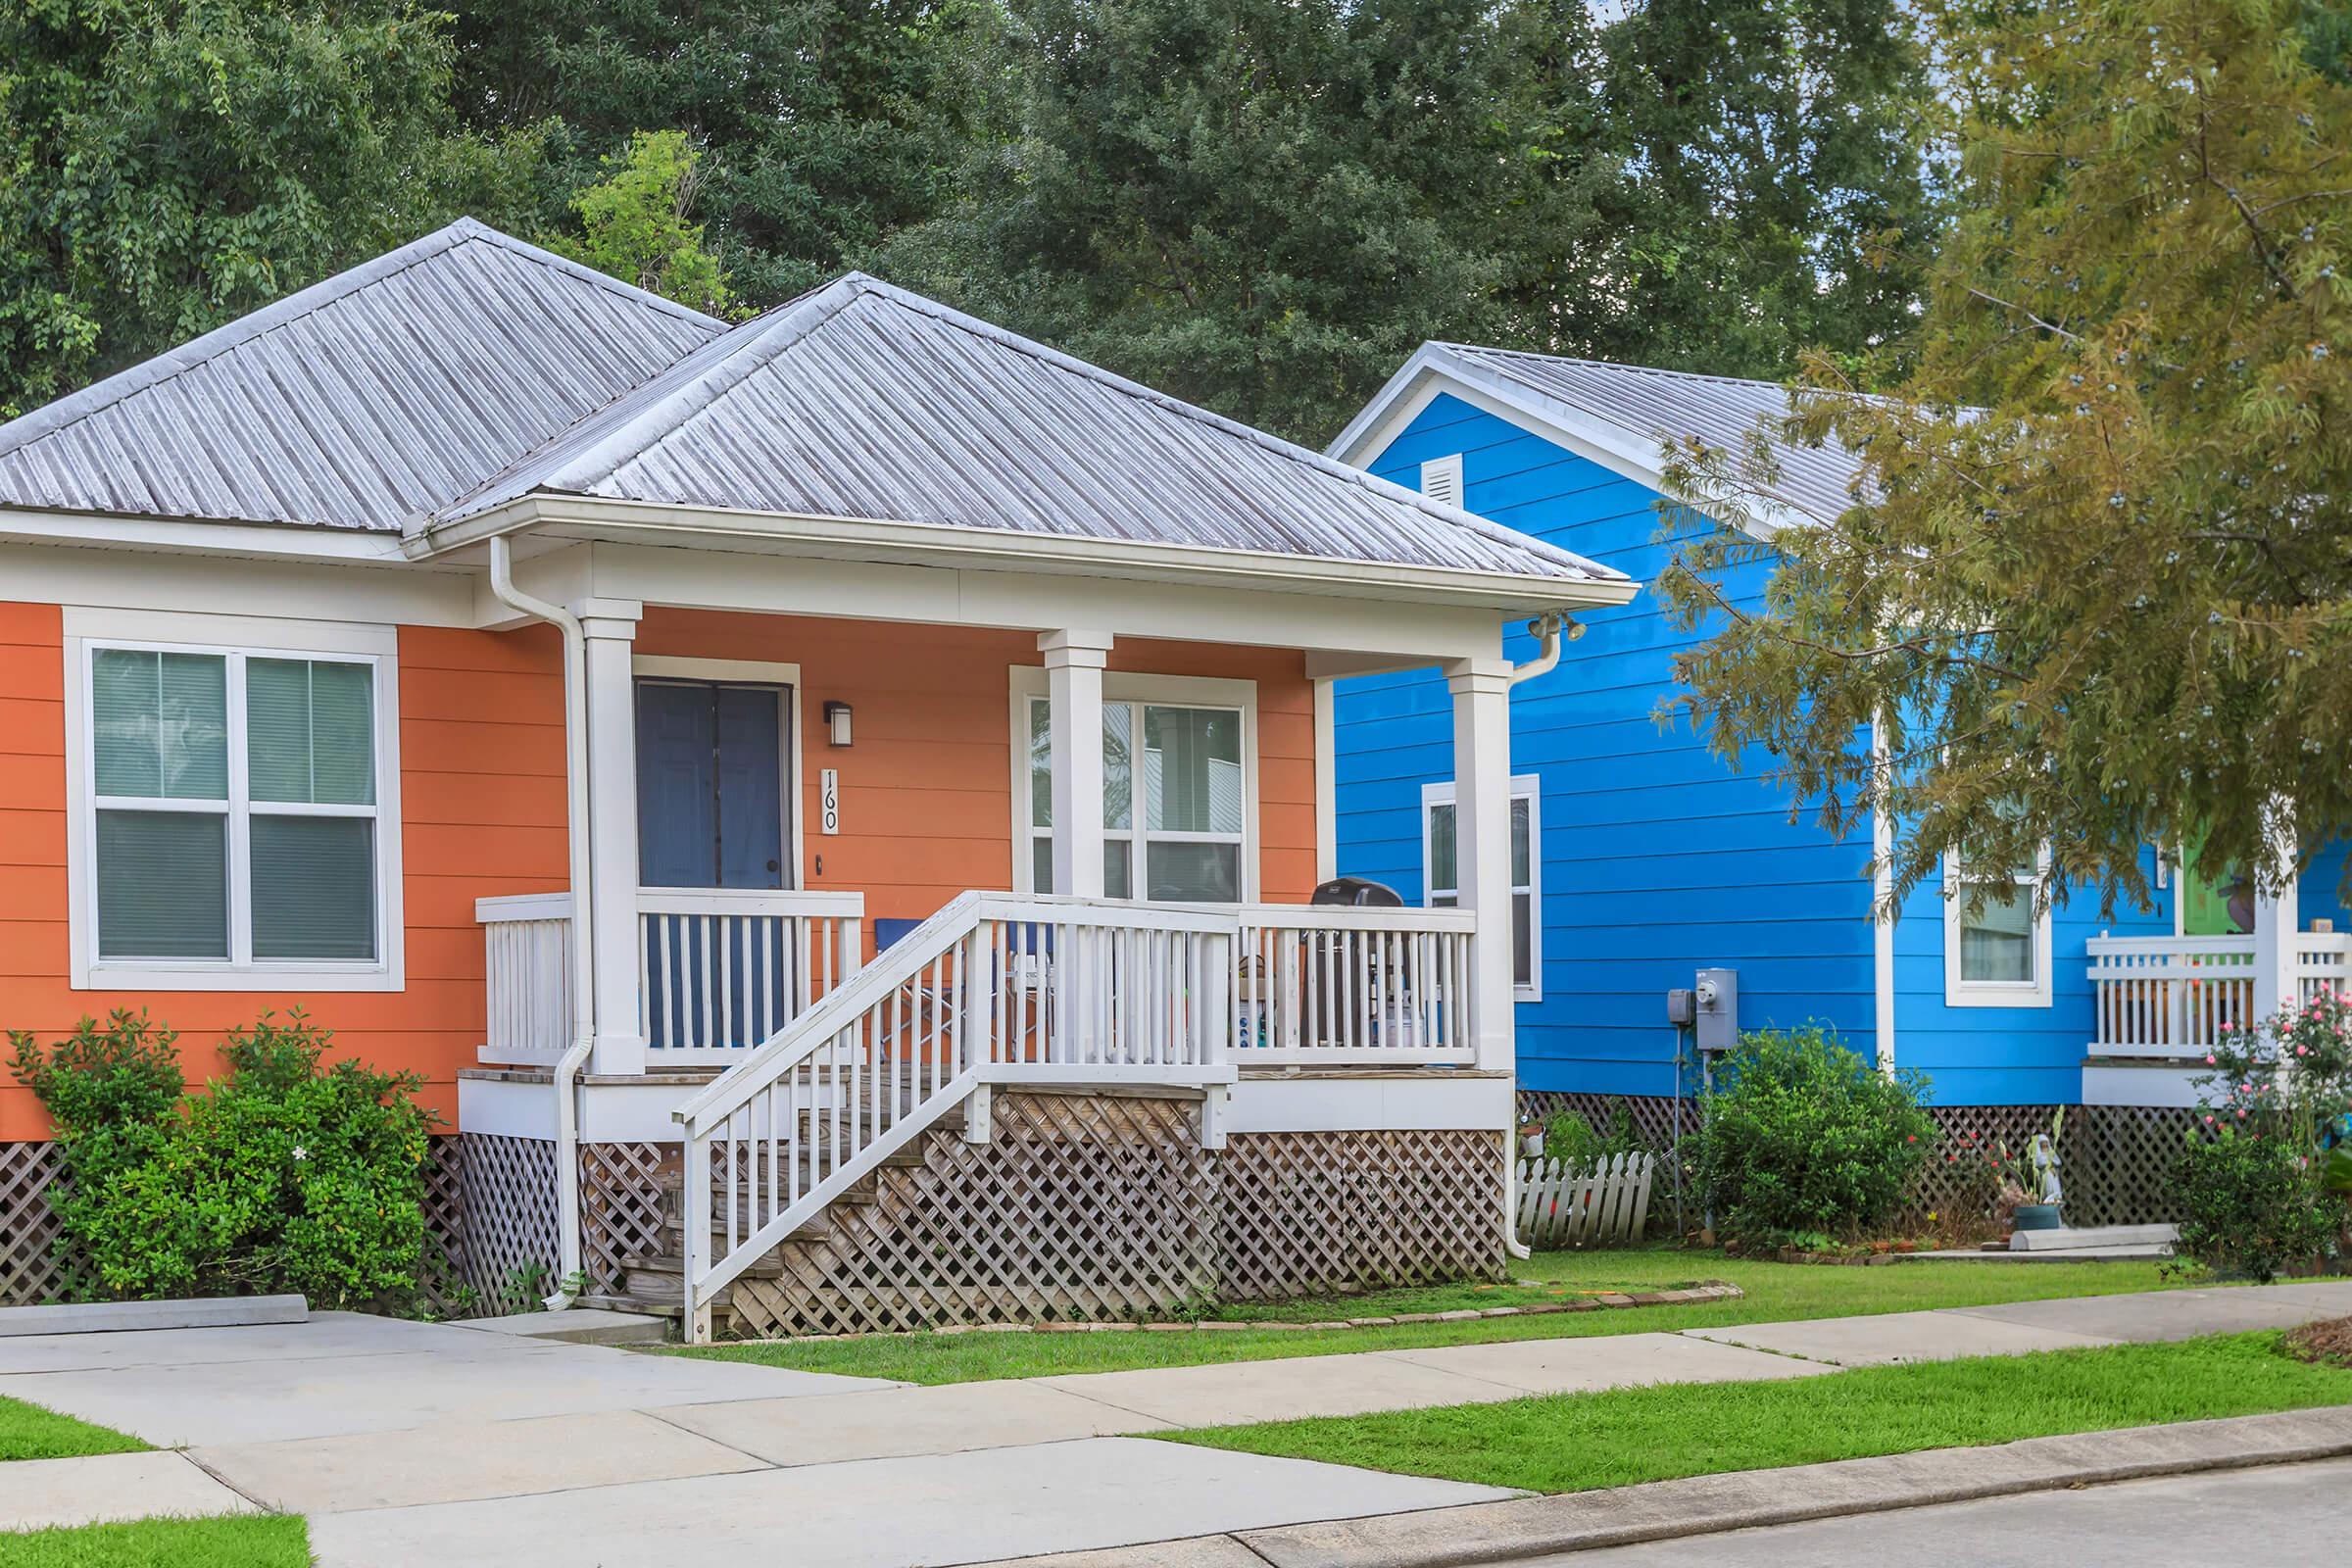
721,969
527,943
2179,996
991,989
1368,987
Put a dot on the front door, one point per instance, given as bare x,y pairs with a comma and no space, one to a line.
711,797
2215,902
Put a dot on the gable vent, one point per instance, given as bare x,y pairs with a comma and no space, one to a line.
1442,479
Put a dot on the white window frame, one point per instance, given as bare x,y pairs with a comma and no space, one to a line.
236,638
1030,685
1528,787
1963,993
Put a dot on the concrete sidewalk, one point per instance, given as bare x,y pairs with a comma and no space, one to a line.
403,1441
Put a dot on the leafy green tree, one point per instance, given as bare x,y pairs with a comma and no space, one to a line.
636,226
1260,205
823,125
1780,181
167,166
2095,587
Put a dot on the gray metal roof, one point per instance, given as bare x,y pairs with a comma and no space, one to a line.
862,401
360,401
1654,407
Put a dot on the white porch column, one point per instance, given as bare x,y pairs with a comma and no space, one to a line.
1074,661
609,626
1482,828
2277,918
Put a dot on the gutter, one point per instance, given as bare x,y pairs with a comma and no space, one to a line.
583,975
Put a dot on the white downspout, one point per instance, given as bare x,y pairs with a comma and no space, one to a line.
1546,630
583,975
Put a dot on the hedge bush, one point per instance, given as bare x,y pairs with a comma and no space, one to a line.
1802,1139
289,1174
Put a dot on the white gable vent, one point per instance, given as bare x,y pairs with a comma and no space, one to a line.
1442,479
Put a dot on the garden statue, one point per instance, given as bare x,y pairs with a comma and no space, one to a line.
2046,1170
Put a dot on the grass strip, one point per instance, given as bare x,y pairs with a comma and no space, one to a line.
31,1432
1576,1442
1776,1293
266,1540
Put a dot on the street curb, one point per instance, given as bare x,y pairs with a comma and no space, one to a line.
1666,1510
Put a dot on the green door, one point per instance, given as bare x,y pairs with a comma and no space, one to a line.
2214,905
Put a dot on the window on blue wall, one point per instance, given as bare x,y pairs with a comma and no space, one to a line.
1997,953
1440,879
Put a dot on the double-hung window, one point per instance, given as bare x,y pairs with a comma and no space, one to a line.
1996,954
1175,796
233,828
1441,878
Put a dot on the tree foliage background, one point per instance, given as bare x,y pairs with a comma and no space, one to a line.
2095,588
1262,205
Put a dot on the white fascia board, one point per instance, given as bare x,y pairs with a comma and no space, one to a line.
1434,369
941,545
126,577
296,541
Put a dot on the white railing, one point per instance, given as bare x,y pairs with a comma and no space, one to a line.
1369,987
721,969
991,989
527,943
2181,996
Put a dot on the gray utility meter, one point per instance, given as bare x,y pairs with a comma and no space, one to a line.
1716,1006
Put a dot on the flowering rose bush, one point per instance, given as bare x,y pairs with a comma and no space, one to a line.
2273,1101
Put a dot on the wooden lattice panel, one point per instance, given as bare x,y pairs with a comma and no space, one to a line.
1303,1213
30,1269
621,1207
441,1265
1653,1117
508,1193
1079,1207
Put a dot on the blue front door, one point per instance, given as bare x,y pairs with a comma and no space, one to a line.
710,798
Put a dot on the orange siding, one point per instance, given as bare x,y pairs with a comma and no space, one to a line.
925,801
481,782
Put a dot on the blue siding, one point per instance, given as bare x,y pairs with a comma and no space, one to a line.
1657,860
2004,1055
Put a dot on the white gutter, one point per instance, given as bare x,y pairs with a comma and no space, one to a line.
584,1002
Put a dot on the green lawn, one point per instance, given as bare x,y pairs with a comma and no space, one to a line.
1776,1292
1572,1442
29,1432
278,1540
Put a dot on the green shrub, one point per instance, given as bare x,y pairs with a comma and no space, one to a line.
1801,1137
286,1176
1570,1136
2251,1205
2253,1186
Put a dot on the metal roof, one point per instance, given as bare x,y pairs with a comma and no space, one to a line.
360,401
1645,408
863,401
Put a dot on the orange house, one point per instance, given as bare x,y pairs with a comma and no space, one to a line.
858,760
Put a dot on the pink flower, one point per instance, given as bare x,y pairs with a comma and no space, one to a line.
2241,1113
2302,1050
2209,1059
2208,1121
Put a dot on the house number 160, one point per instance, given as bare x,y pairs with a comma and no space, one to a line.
828,800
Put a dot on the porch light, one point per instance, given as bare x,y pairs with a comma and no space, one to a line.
837,724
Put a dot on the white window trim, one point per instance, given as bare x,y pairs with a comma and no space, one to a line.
1029,684
753,672
1528,787
1960,993
253,637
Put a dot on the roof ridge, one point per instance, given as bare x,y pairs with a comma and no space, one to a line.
1456,517
156,369
1490,352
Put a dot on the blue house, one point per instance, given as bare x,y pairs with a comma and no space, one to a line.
1640,858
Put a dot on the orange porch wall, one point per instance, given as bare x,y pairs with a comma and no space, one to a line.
925,803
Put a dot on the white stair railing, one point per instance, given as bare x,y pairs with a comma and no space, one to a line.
991,989
1371,987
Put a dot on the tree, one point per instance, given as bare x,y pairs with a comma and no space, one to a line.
1776,150
1257,204
2095,589
636,224
167,166
823,124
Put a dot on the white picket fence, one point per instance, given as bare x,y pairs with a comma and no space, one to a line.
1601,1205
